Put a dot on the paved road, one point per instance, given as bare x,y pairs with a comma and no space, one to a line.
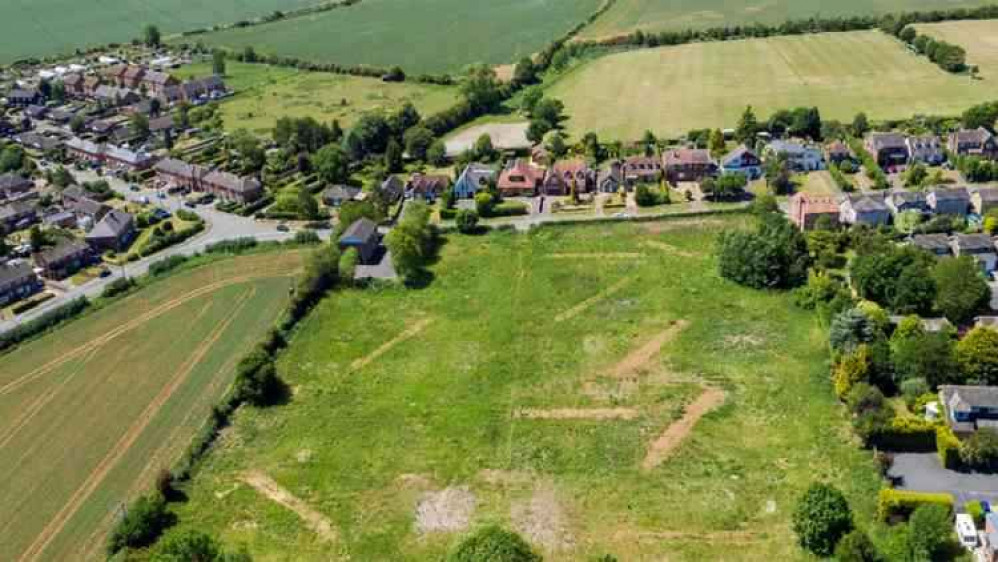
218,226
923,472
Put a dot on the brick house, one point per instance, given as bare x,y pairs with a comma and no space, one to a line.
925,149
17,281
888,149
869,210
686,164
973,142
805,210
12,185
63,260
641,169
179,174
114,232
560,178
520,179
231,187
983,200
954,201
118,158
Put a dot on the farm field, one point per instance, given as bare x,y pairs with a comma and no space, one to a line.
91,412
658,15
50,27
423,36
599,389
979,38
266,93
709,84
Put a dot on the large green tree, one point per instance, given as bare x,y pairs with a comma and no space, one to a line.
977,354
775,256
493,544
963,292
857,547
332,163
822,517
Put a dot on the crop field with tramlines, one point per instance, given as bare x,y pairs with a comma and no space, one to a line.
92,411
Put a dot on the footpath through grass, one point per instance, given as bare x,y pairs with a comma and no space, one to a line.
92,411
523,386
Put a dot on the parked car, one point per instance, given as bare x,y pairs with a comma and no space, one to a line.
105,272
161,213
283,228
133,187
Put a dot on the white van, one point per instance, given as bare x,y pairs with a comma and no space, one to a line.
966,531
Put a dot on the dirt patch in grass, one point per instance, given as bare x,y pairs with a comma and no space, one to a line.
316,521
445,511
639,358
579,414
670,249
673,436
743,341
586,304
684,224
410,332
542,520
410,480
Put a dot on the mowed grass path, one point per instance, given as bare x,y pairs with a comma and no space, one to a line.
979,38
660,15
90,413
419,35
266,93
543,322
49,27
671,90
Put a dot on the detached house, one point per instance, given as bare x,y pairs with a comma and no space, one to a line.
473,179
567,175
392,189
888,149
978,246
114,232
900,201
742,161
805,210
925,149
610,179
687,164
949,201
975,142
643,169
969,408
427,187
800,157
520,179
869,210
17,282
983,200
936,244
337,195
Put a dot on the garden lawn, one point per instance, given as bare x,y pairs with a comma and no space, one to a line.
265,93
398,394
421,36
671,90
91,412
50,27
655,15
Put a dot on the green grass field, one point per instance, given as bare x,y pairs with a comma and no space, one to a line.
91,412
49,27
979,38
423,36
400,395
659,15
266,93
671,90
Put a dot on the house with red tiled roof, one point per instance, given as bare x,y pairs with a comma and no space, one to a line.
520,179
805,210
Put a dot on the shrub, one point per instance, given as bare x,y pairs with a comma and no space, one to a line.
822,517
976,511
189,216
980,450
348,264
898,505
467,221
510,209
236,246
117,287
307,237
166,264
144,521
856,547
913,389
494,545
647,196
849,330
905,434
853,368
977,354
864,397
947,446
931,532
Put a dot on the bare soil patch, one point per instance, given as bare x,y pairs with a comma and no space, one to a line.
639,358
316,521
663,447
542,520
579,414
410,332
447,511
586,304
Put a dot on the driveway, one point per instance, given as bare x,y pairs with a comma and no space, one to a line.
923,472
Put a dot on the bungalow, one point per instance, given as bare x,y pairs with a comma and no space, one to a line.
338,194
742,161
118,158
936,244
975,142
19,97
805,210
969,408
520,179
428,187
647,169
870,210
18,215
363,236
63,260
685,164
983,200
838,152
114,232
474,178
949,201
978,246
888,149
17,281
231,187
800,157
925,149
177,174
900,201
12,185
567,176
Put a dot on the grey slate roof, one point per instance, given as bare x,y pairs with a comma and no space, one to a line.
881,141
14,182
62,250
863,203
360,232
974,242
951,194
115,223
17,272
967,397
935,243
